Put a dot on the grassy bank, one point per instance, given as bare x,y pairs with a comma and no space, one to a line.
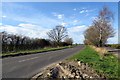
108,65
33,51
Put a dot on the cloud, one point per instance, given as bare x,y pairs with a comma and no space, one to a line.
86,10
77,28
30,30
4,16
74,9
76,21
82,11
59,16
76,33
28,26
37,17
64,23
9,28
114,40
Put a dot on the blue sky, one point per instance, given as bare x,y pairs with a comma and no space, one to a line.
34,19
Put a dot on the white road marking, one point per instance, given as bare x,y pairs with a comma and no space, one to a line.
27,59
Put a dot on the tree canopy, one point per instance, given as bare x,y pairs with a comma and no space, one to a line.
101,29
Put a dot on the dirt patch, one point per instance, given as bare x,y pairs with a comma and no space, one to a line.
70,70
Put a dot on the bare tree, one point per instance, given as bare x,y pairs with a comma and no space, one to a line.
91,36
68,40
58,33
101,28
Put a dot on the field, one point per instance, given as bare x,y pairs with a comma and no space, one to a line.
108,65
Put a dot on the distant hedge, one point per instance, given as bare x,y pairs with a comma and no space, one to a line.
117,46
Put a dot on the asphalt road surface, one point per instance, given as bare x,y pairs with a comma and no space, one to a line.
117,51
28,65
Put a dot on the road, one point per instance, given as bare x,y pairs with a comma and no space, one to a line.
28,65
113,50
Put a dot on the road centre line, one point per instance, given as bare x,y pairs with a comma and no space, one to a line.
28,59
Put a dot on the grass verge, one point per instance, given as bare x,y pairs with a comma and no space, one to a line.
32,51
108,65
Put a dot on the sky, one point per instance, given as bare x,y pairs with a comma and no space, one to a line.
35,19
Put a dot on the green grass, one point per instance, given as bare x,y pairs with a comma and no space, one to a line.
108,65
34,51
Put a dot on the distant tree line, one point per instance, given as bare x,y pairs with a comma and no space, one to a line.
101,29
14,43
116,46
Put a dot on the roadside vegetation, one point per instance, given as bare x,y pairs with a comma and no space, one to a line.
25,52
107,65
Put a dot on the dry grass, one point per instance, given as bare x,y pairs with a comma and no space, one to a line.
101,51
